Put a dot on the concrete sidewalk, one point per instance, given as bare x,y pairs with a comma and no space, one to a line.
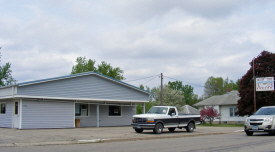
14,137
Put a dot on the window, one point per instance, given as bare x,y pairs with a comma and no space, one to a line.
114,110
81,109
233,112
172,110
16,108
3,108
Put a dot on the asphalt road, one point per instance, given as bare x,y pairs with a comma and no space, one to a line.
223,142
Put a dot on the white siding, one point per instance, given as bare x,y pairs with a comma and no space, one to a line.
6,119
47,114
225,113
7,91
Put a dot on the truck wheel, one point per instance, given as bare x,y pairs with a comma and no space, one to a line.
190,127
171,129
139,130
158,128
249,133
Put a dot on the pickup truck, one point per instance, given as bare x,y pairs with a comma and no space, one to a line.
159,117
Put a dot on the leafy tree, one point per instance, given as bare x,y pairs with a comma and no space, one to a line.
144,88
5,75
170,97
264,66
213,86
196,99
84,65
219,86
185,90
209,113
108,70
148,105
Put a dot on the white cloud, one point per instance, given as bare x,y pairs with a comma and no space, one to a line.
184,40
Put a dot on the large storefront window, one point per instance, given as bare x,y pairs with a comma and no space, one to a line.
114,110
81,109
3,108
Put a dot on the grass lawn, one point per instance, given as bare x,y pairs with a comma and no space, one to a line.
222,125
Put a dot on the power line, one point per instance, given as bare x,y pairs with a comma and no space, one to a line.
151,79
143,78
185,82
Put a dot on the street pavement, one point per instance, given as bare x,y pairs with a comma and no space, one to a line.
36,137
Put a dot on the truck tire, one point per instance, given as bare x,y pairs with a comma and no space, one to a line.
249,133
158,128
190,127
139,130
171,129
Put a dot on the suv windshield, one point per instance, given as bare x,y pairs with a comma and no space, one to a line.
158,110
266,111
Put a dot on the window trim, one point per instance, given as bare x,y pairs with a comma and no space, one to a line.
116,106
88,115
1,108
233,112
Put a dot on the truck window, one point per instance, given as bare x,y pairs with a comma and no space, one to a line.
157,110
172,110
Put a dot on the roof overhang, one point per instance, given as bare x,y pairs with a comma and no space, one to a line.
73,99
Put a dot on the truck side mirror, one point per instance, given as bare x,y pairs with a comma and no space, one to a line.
173,114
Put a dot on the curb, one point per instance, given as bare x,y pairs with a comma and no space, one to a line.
103,140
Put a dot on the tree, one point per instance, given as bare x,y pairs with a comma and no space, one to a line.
219,86
264,66
213,86
148,105
186,90
5,75
84,65
209,113
108,70
170,97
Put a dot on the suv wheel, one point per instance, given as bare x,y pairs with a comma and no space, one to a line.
249,133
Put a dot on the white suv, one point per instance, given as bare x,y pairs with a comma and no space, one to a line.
261,121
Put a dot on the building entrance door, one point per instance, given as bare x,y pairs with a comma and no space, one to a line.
16,115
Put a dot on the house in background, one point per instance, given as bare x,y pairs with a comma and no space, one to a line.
226,105
81,100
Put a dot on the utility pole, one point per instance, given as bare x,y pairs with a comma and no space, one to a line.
254,87
161,78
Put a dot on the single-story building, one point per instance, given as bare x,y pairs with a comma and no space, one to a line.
81,100
226,105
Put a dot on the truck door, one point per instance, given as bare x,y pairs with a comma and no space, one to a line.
173,121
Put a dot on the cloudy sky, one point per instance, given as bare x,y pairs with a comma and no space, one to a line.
188,40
